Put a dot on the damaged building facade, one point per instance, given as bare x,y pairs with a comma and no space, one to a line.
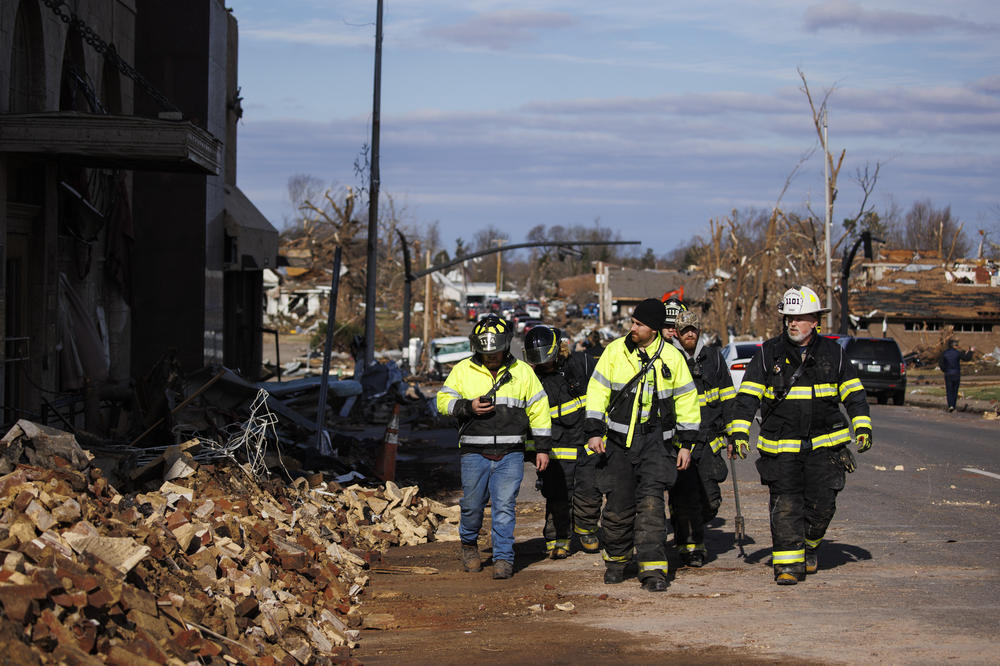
125,237
917,299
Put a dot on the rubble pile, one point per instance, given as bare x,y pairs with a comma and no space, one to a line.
207,566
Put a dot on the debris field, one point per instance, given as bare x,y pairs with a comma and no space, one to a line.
200,563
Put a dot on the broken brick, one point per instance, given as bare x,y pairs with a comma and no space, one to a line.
18,600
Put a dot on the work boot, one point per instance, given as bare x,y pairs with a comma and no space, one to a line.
812,563
788,575
470,557
786,578
684,556
655,584
589,543
503,569
559,553
696,559
614,575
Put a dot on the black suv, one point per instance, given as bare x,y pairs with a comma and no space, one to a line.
879,365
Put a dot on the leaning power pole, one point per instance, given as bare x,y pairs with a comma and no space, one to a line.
827,158
373,183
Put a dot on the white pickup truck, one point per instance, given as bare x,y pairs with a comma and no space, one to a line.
446,352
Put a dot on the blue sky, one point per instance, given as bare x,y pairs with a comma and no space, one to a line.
653,117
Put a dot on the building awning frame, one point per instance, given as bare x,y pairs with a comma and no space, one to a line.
113,142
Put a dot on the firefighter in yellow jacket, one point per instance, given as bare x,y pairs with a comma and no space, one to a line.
497,401
641,398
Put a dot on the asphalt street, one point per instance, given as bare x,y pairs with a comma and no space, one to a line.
923,506
909,571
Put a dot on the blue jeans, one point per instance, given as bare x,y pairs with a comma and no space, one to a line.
498,482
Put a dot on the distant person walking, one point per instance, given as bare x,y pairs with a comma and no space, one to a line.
952,369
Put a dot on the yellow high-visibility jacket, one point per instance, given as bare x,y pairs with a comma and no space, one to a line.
666,393
520,405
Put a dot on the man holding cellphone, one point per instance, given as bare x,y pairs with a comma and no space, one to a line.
497,400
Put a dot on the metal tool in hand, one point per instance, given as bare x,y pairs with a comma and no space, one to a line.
741,528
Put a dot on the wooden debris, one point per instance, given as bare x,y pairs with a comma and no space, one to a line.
400,569
213,569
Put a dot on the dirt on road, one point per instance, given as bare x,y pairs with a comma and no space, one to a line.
542,615
863,606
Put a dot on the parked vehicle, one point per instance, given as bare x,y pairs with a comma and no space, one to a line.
879,365
572,310
737,356
529,324
446,352
534,309
591,310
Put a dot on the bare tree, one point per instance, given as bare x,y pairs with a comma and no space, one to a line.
928,228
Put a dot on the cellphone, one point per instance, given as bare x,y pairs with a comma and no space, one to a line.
485,400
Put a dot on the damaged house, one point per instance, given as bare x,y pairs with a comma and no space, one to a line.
620,289
917,300
125,237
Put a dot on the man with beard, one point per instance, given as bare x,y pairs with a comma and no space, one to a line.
642,399
695,498
799,379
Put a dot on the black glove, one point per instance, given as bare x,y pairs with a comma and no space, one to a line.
463,409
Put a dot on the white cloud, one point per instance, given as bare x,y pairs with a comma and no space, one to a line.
503,29
845,14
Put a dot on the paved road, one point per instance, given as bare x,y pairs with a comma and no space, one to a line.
926,499
909,573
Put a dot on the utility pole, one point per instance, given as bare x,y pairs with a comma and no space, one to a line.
373,185
826,225
499,242
427,311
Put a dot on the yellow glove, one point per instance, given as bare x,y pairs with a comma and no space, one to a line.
864,440
738,447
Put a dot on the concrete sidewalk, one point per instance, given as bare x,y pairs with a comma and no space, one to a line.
916,399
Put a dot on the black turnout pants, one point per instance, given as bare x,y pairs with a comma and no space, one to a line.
803,489
587,497
557,488
696,497
635,480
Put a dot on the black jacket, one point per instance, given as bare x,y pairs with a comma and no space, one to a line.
715,392
566,388
950,358
810,410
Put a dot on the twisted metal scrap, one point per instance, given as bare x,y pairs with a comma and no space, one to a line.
250,438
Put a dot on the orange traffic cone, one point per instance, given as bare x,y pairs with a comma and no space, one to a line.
385,462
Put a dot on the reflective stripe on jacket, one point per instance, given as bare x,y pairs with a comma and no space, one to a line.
566,410
811,409
715,392
520,406
666,390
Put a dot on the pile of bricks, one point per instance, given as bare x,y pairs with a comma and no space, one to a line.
209,566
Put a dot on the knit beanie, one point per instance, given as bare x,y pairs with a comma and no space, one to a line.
650,312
